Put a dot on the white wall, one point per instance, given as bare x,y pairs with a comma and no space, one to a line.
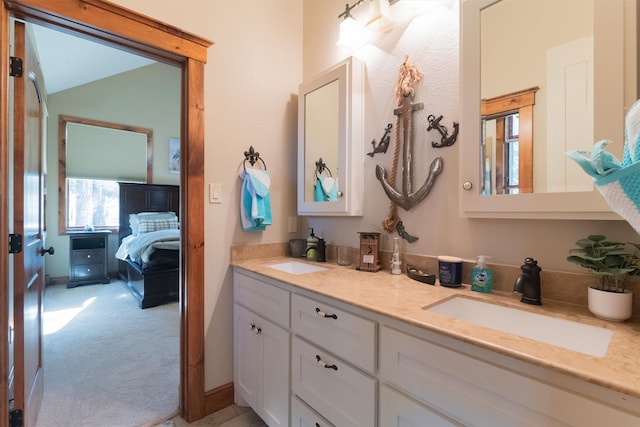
251,81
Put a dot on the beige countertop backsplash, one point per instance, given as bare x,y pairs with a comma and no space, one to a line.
564,295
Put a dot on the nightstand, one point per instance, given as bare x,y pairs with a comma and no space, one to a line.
88,258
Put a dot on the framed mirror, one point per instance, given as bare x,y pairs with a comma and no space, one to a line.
330,148
580,65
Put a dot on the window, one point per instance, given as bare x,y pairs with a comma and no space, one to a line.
93,157
92,202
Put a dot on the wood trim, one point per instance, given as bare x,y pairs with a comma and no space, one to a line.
218,398
5,370
509,102
117,26
192,196
97,18
63,120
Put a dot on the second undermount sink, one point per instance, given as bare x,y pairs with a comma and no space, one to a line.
587,339
296,267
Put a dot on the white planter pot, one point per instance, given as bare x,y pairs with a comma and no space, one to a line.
614,306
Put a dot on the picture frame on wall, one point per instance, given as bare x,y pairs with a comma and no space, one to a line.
174,155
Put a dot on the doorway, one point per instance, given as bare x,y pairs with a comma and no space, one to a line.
110,24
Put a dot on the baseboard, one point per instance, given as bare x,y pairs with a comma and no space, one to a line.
56,280
218,398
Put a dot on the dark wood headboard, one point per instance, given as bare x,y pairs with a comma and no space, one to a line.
135,198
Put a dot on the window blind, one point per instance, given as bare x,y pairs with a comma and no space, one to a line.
95,152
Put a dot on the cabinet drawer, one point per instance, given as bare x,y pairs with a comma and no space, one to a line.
340,393
398,410
87,271
88,256
476,392
303,416
344,334
266,300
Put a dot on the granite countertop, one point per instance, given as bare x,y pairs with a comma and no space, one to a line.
402,298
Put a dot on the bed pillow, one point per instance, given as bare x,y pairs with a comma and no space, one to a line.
134,219
149,225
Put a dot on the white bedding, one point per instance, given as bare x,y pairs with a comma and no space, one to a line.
140,247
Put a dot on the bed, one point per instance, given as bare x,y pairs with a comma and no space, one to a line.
149,242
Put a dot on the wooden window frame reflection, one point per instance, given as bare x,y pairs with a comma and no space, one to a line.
520,102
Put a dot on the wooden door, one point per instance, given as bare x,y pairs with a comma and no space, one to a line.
28,222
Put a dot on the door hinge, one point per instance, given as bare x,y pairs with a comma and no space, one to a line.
15,243
15,418
15,67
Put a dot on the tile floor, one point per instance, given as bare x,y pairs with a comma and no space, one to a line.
231,416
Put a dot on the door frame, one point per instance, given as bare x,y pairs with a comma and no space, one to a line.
116,26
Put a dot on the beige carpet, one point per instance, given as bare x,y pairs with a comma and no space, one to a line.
106,361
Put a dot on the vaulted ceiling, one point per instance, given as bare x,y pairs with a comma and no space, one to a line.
68,61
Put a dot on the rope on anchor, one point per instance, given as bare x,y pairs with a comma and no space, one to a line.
409,75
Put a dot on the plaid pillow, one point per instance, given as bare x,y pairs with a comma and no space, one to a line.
149,225
134,219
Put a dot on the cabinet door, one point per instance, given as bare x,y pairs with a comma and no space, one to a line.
475,392
274,396
246,357
397,410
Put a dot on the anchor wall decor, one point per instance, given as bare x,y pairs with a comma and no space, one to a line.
446,140
408,198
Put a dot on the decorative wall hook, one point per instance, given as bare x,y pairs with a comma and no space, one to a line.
321,166
446,140
384,142
252,157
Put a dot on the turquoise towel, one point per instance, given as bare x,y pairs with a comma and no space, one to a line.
255,200
618,182
326,189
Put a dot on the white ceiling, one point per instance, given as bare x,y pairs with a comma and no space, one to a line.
68,61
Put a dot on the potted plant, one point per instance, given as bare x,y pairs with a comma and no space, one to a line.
612,265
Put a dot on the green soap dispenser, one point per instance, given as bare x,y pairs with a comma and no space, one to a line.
312,247
481,276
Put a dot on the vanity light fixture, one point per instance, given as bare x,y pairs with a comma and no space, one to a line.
353,34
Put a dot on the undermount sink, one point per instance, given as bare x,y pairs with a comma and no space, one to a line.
296,267
587,339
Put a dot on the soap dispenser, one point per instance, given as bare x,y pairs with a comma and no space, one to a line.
312,247
481,276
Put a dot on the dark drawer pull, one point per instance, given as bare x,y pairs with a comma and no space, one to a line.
324,365
323,314
255,329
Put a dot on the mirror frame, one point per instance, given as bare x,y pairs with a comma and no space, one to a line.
573,205
350,172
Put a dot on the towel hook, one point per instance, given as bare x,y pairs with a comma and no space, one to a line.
321,166
252,157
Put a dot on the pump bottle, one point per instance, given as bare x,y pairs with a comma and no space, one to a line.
312,247
481,276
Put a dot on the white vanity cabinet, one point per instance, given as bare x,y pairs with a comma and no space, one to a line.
262,349
473,391
330,347
306,359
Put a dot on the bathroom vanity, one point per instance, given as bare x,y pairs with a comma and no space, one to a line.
359,349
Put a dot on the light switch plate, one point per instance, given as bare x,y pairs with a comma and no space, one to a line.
215,193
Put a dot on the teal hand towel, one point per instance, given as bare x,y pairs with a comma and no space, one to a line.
255,200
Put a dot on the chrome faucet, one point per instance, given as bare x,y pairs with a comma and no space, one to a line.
528,283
